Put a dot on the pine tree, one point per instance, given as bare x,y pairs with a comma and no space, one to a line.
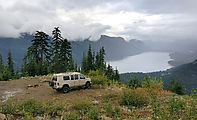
17,74
66,56
39,52
116,75
56,42
1,64
90,59
84,68
10,64
110,72
100,60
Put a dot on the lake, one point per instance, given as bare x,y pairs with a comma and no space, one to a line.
144,62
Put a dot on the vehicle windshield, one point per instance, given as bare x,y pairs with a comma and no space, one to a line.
54,78
82,76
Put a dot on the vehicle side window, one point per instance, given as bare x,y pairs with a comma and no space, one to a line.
66,78
82,77
72,77
54,78
76,77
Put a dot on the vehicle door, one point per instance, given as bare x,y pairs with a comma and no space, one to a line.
71,81
82,79
77,80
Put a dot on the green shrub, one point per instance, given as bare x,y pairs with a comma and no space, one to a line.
8,108
51,108
98,77
83,105
5,75
112,111
175,87
194,93
134,83
151,83
106,98
93,114
176,105
70,116
191,110
31,107
135,98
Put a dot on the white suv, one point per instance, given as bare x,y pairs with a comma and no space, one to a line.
64,81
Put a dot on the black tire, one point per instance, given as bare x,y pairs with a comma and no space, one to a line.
58,90
88,85
65,89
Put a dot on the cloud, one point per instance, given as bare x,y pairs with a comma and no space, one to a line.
79,19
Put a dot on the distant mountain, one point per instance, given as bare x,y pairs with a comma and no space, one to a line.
187,74
116,47
17,46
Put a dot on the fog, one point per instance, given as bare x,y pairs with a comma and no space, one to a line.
157,20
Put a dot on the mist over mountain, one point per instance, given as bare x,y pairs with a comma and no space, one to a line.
181,52
115,47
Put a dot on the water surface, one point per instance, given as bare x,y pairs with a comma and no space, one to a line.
144,62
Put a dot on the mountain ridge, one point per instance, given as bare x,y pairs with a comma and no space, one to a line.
116,47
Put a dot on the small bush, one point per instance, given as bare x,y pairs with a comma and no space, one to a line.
83,105
30,107
134,83
98,77
112,111
108,97
51,108
175,87
135,98
8,108
152,83
93,114
175,106
70,116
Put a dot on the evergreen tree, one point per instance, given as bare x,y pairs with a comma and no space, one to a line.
10,64
17,74
116,75
90,59
134,82
24,68
110,72
38,52
176,87
71,65
66,56
56,42
84,68
97,61
100,60
1,64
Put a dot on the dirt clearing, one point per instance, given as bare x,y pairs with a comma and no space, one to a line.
35,87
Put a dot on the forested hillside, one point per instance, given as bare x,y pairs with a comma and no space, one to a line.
186,74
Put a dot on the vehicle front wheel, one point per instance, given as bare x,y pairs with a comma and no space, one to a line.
88,85
65,89
58,90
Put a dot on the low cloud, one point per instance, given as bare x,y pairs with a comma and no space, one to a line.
167,20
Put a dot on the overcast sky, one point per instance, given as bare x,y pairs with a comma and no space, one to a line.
165,20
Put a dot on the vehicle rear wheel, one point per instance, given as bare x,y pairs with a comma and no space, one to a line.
88,85
65,89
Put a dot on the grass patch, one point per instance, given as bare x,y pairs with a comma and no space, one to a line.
137,98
